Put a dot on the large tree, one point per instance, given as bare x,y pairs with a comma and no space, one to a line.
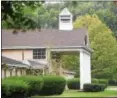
13,15
104,57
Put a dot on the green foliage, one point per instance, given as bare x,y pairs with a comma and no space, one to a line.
103,81
73,83
71,62
106,11
53,85
93,87
104,58
26,86
35,84
100,81
112,82
15,17
94,80
32,14
14,89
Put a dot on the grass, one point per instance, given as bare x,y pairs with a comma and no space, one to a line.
75,93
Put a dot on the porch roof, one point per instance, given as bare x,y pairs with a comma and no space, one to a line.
13,62
37,65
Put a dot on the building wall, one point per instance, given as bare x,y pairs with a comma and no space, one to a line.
28,54
18,54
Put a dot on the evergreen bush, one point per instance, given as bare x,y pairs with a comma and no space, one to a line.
14,89
35,84
112,82
53,85
73,83
93,87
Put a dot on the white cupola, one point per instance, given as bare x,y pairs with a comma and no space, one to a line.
65,20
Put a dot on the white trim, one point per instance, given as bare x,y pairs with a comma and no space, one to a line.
66,50
52,47
18,65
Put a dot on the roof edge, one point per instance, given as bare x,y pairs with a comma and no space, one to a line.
56,47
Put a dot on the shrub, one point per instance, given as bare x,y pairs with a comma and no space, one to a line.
93,87
35,84
14,89
112,82
53,85
103,81
95,81
73,83
100,81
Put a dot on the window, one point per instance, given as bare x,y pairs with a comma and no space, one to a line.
65,18
39,53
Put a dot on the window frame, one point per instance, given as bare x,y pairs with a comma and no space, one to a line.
39,53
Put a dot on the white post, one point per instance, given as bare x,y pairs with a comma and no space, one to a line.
85,68
48,58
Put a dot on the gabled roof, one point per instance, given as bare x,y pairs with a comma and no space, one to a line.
12,62
65,11
44,38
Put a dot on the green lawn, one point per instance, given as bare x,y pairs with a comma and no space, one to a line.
75,93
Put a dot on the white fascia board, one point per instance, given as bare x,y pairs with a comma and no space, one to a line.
20,47
64,49
57,48
18,65
72,48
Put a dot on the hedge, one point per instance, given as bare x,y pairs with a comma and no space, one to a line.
93,87
112,82
73,83
14,89
35,84
26,86
53,85
100,81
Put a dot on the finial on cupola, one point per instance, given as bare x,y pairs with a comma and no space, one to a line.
65,20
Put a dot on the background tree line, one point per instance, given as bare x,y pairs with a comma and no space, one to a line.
34,14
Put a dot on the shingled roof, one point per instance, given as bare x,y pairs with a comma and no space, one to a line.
43,38
12,62
37,65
